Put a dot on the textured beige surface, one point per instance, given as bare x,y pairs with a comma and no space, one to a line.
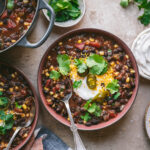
128,133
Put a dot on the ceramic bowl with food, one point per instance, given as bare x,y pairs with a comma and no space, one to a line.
17,96
17,21
69,22
103,73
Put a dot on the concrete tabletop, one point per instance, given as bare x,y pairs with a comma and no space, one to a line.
128,133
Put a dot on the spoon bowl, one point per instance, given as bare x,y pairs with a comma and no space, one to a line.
2,6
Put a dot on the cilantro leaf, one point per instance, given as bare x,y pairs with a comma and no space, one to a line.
1,93
64,64
17,105
8,122
145,18
86,117
93,108
87,104
3,102
116,96
82,67
98,111
97,64
113,86
54,75
77,84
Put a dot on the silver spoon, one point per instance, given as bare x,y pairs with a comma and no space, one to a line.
77,139
28,123
2,6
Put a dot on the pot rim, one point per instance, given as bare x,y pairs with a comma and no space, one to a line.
127,106
33,126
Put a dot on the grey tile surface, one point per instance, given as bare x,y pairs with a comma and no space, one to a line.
128,133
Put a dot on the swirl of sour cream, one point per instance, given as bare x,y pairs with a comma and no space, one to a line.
141,51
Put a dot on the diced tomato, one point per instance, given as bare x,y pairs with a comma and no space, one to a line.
12,16
4,15
95,44
48,82
80,46
112,113
11,24
54,89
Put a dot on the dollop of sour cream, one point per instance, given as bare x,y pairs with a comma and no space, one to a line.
141,51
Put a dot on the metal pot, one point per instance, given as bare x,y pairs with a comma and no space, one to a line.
23,42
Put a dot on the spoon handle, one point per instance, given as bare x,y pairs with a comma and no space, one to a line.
12,138
77,139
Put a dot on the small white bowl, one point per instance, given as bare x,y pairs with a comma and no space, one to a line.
69,23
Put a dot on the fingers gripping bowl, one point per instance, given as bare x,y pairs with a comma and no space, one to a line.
17,97
103,73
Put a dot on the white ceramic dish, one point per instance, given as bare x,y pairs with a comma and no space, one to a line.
69,23
147,121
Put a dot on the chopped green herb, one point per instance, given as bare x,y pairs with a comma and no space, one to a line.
113,86
109,50
97,64
82,67
8,122
10,4
54,75
3,102
116,96
144,6
65,9
87,104
93,108
1,93
77,84
64,64
17,105
86,117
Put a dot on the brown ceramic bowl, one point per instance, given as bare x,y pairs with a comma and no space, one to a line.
127,106
24,142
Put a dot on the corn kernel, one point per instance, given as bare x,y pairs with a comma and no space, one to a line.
1,83
26,23
101,53
14,128
112,63
132,71
127,56
56,95
105,103
128,80
49,100
16,88
84,122
22,115
24,106
27,115
47,74
60,43
11,89
51,93
13,75
49,57
1,89
79,41
25,135
116,73
68,119
115,46
1,23
91,39
13,41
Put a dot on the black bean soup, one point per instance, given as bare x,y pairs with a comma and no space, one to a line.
101,73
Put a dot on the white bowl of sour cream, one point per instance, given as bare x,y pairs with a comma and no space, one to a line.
141,51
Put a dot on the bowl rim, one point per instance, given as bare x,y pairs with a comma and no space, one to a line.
75,22
33,126
127,106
